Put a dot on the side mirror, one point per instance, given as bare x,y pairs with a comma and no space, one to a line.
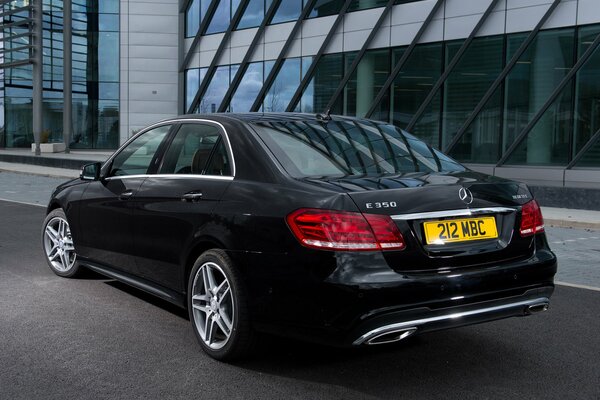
91,172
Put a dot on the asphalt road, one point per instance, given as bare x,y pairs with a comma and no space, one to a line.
95,338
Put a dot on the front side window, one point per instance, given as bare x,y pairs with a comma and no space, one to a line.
345,148
135,159
197,149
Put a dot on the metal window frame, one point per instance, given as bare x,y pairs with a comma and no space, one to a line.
237,79
590,143
374,32
281,57
557,92
400,64
313,66
210,12
450,68
505,72
213,65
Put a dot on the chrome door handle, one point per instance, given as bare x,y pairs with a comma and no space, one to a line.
192,197
126,195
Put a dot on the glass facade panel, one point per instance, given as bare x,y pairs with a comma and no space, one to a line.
477,69
289,10
284,86
327,75
221,17
215,91
248,89
192,19
412,85
326,7
253,15
95,79
366,81
587,106
538,72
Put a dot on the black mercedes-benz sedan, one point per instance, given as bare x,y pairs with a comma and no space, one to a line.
337,230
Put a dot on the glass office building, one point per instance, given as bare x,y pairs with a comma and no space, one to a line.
508,87
95,27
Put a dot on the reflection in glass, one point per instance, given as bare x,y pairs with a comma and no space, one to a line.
289,10
221,17
216,90
192,19
540,69
326,78
248,88
587,106
326,7
477,69
285,84
411,87
366,81
253,15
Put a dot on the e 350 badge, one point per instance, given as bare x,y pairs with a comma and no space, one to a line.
383,204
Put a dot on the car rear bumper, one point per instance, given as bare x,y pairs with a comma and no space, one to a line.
396,326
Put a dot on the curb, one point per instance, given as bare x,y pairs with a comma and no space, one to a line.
560,223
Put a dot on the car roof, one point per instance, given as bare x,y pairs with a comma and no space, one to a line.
263,117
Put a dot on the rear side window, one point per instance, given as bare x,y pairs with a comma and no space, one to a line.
344,148
197,149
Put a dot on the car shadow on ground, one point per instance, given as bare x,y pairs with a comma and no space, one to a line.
149,298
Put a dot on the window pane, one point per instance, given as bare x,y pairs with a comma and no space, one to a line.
411,87
587,106
108,57
135,159
478,68
215,91
219,162
368,79
529,85
284,86
191,149
192,19
248,88
591,158
365,4
326,78
326,7
289,10
253,15
221,18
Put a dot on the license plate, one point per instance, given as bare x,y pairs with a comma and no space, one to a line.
460,230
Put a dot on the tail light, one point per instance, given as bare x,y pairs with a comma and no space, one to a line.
346,231
532,221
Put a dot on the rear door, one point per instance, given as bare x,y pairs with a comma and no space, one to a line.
106,211
173,208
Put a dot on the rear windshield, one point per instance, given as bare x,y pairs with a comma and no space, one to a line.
343,148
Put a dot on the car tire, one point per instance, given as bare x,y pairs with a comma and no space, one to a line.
217,302
58,246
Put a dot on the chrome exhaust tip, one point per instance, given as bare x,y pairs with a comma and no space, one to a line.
391,336
537,308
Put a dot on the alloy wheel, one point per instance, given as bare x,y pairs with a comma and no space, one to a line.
213,305
58,244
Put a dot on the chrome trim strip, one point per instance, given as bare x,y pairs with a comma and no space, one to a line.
419,322
179,121
174,176
453,213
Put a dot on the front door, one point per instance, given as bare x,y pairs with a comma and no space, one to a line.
106,217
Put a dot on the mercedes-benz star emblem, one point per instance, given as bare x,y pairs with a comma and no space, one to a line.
465,195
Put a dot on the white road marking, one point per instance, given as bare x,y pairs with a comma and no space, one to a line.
597,289
23,202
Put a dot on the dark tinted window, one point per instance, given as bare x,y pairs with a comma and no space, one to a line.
135,159
197,149
341,148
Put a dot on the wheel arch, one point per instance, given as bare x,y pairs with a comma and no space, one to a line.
200,246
